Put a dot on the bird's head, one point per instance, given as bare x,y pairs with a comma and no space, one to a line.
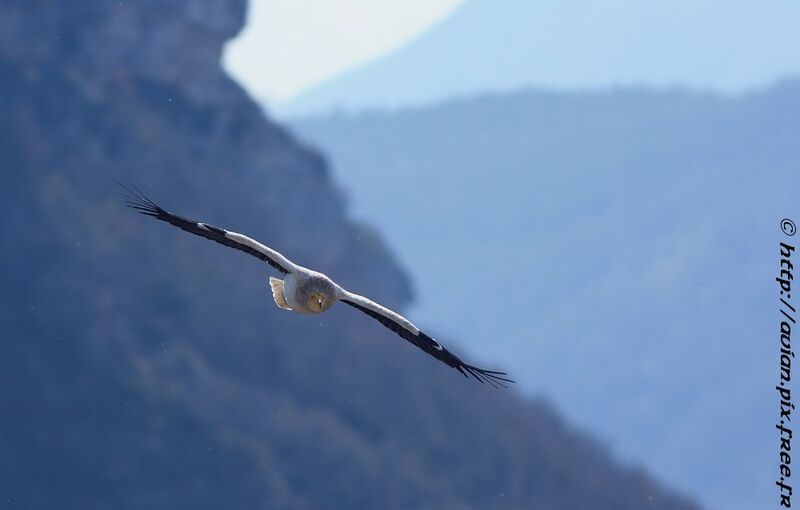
317,293
318,301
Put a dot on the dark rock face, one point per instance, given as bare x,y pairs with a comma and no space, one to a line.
143,368
172,42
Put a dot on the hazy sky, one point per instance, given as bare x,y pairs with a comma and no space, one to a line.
289,45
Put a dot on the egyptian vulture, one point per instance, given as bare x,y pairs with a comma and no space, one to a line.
309,292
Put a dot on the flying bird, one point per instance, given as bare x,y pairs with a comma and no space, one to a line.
303,290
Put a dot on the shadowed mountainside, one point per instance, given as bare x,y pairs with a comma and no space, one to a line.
145,368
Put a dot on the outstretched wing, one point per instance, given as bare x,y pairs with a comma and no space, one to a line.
135,199
408,331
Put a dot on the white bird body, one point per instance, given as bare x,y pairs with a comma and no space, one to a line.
306,291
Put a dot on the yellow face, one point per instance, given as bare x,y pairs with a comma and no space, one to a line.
317,301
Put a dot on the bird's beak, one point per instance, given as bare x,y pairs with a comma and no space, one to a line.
319,301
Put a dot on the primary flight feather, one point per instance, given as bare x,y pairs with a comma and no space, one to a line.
305,291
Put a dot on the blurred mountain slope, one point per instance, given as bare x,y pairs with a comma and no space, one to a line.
625,244
145,368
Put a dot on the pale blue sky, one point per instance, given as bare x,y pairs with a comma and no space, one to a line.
311,57
290,45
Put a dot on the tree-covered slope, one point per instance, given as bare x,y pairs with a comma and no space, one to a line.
143,368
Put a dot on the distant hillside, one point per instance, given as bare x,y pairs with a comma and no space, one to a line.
502,45
615,250
144,368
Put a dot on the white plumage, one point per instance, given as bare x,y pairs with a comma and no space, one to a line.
303,290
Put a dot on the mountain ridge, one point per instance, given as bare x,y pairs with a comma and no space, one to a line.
502,46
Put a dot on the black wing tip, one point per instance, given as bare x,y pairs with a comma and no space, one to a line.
134,198
492,377
432,347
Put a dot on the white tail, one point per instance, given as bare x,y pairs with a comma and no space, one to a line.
277,293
